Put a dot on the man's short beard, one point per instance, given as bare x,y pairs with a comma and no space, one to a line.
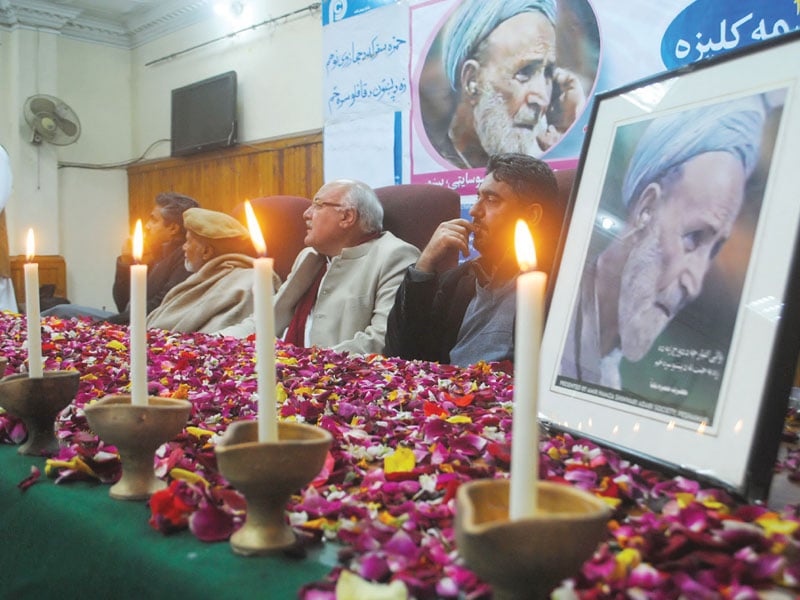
188,266
495,128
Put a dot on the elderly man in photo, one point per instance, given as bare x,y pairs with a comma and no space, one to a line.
683,190
219,291
500,57
466,314
341,287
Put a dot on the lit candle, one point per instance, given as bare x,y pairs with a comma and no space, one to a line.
527,341
137,328
33,317
265,333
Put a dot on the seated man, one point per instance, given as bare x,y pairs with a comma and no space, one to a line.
219,291
164,257
466,314
341,287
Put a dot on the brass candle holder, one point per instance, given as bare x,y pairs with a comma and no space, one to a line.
37,402
137,431
267,473
527,558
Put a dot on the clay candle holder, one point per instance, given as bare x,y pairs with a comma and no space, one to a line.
267,473
37,401
527,558
137,431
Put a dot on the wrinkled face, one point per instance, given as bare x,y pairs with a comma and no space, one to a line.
495,216
322,219
689,221
196,253
158,230
515,81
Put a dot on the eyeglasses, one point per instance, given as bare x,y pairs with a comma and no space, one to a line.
317,203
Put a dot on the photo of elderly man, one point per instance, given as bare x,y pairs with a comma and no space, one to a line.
688,188
502,77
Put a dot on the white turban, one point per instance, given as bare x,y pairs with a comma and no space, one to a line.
734,127
474,20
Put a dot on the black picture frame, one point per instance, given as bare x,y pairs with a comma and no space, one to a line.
695,381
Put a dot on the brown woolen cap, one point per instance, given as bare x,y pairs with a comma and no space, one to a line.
213,225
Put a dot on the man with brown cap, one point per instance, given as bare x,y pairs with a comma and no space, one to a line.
219,291
163,239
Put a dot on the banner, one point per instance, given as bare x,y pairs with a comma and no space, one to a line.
529,88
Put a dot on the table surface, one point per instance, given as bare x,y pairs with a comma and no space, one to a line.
70,540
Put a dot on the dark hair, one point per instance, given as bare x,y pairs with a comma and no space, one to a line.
530,178
171,205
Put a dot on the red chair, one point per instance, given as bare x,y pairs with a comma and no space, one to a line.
413,211
281,221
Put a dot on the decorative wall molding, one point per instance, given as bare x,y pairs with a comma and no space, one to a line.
138,27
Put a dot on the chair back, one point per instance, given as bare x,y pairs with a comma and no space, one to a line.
413,211
281,221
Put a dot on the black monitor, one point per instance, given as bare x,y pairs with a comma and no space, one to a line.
204,115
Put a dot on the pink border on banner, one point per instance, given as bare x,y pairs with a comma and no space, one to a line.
466,181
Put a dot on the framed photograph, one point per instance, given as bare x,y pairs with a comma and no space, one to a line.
672,333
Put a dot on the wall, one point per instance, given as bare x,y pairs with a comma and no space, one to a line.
222,179
124,107
74,213
278,67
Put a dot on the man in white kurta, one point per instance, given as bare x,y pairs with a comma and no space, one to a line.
342,286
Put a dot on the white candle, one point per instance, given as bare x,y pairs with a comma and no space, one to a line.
137,328
531,287
265,333
33,317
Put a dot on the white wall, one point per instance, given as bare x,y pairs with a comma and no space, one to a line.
124,106
279,70
79,214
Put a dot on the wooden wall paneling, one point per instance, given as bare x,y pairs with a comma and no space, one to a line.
221,179
295,168
52,270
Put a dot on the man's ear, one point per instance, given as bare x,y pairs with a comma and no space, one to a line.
349,216
175,230
645,204
208,252
469,79
533,214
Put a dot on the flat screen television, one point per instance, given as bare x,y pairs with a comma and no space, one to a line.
204,115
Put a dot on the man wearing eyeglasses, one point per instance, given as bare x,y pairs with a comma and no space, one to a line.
342,286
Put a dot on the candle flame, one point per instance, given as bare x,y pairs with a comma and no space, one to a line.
30,247
255,230
523,243
138,241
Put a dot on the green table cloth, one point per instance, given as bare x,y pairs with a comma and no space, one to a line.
72,540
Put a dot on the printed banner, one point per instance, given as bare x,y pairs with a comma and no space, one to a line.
366,64
464,94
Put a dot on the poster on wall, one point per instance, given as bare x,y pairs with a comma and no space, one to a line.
468,95
366,89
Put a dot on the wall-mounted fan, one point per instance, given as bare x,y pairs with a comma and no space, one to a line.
51,120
